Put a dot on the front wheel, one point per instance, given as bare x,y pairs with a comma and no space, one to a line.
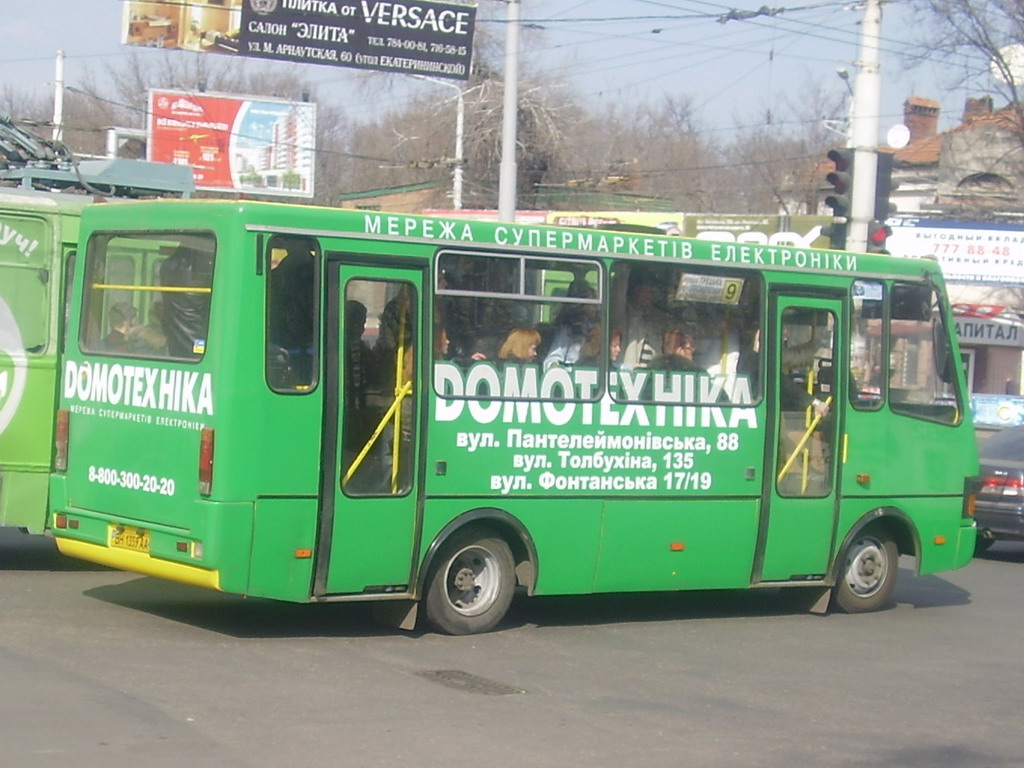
471,587
869,572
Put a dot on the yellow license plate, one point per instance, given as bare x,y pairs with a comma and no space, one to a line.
129,537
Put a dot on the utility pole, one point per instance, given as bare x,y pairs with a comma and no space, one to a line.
460,130
510,108
867,99
58,99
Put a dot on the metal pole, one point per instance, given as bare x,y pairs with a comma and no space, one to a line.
58,99
507,176
460,125
864,134
460,129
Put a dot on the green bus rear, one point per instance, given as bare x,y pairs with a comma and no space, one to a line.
330,407
38,236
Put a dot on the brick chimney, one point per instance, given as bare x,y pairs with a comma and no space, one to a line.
921,116
974,108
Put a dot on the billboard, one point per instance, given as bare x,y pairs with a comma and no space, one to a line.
798,231
235,144
412,36
969,252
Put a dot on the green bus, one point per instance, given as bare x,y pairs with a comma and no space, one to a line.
363,406
38,236
39,220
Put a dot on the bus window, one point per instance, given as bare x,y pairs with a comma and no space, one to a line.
26,293
806,396
522,316
679,320
921,375
148,296
291,311
867,356
379,365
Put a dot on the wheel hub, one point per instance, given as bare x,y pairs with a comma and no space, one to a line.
464,580
866,569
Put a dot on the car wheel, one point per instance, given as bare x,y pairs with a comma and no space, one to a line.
982,545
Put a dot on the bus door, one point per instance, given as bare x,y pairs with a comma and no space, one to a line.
798,518
369,484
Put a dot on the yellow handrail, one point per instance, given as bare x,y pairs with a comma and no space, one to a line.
803,441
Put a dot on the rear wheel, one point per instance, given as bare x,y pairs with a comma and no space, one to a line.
471,586
869,572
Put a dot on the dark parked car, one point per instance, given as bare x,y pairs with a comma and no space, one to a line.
999,511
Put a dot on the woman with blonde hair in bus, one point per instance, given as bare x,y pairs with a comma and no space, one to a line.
520,346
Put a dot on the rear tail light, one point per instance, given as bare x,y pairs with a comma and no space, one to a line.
1002,485
61,431
205,461
972,486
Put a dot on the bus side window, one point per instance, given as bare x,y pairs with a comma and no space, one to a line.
291,311
921,381
867,385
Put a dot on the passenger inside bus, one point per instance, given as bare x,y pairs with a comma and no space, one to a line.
574,322
149,339
590,352
520,346
646,318
122,318
677,348
186,313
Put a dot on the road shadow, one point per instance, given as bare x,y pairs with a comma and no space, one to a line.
243,617
911,589
20,551
929,591
240,617
1004,552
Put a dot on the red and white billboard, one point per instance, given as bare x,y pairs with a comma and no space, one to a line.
235,144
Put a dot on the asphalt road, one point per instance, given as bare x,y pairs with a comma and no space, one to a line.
106,669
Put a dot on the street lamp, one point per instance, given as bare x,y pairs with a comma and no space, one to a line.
460,122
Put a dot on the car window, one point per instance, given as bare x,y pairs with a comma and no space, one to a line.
1007,445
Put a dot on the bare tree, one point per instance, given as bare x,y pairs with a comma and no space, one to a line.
775,166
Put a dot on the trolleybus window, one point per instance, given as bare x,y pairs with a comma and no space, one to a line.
148,296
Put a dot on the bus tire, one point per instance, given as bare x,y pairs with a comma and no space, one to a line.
869,570
471,586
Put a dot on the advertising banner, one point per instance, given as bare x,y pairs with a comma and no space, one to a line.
969,252
235,144
424,37
798,231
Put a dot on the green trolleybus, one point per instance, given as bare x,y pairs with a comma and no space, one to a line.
345,405
38,235
39,221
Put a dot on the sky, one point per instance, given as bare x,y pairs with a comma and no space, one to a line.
734,72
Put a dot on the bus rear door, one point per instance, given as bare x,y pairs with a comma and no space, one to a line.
369,486
798,518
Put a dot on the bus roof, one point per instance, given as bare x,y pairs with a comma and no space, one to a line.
447,231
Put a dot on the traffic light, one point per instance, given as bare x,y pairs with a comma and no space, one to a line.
884,187
878,233
841,181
